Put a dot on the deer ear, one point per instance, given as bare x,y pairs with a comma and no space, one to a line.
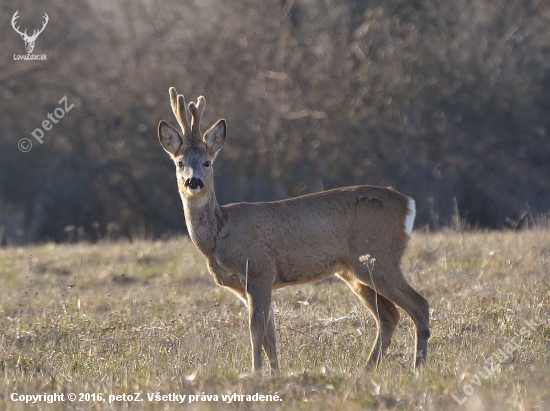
215,137
169,138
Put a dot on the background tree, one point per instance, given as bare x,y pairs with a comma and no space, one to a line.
447,102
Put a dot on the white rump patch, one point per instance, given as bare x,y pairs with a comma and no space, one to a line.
409,220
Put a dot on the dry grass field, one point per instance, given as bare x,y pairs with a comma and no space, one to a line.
119,318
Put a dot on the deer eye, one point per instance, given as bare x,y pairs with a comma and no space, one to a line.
180,164
206,164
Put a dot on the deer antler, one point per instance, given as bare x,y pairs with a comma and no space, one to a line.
37,32
13,19
196,110
178,107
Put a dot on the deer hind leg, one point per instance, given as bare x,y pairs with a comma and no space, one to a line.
269,342
262,324
384,312
389,281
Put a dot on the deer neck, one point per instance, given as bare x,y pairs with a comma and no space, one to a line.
204,218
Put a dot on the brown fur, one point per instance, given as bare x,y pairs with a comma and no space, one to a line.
264,246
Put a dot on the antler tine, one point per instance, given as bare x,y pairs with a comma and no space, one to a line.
46,19
14,18
196,110
177,102
36,32
14,22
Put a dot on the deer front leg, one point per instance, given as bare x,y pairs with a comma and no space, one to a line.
261,328
270,339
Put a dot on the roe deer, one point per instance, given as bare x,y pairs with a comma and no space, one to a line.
253,248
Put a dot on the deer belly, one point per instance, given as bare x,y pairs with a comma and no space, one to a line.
294,274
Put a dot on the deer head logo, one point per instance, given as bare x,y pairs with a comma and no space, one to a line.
29,40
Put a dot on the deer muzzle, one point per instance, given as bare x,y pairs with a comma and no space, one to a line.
194,183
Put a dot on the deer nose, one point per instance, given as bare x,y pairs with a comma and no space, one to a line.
194,183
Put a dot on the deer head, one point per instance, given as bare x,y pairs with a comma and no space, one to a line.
192,154
29,40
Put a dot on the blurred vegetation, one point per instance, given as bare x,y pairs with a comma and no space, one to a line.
448,102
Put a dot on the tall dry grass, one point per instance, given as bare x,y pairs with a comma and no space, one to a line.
119,318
